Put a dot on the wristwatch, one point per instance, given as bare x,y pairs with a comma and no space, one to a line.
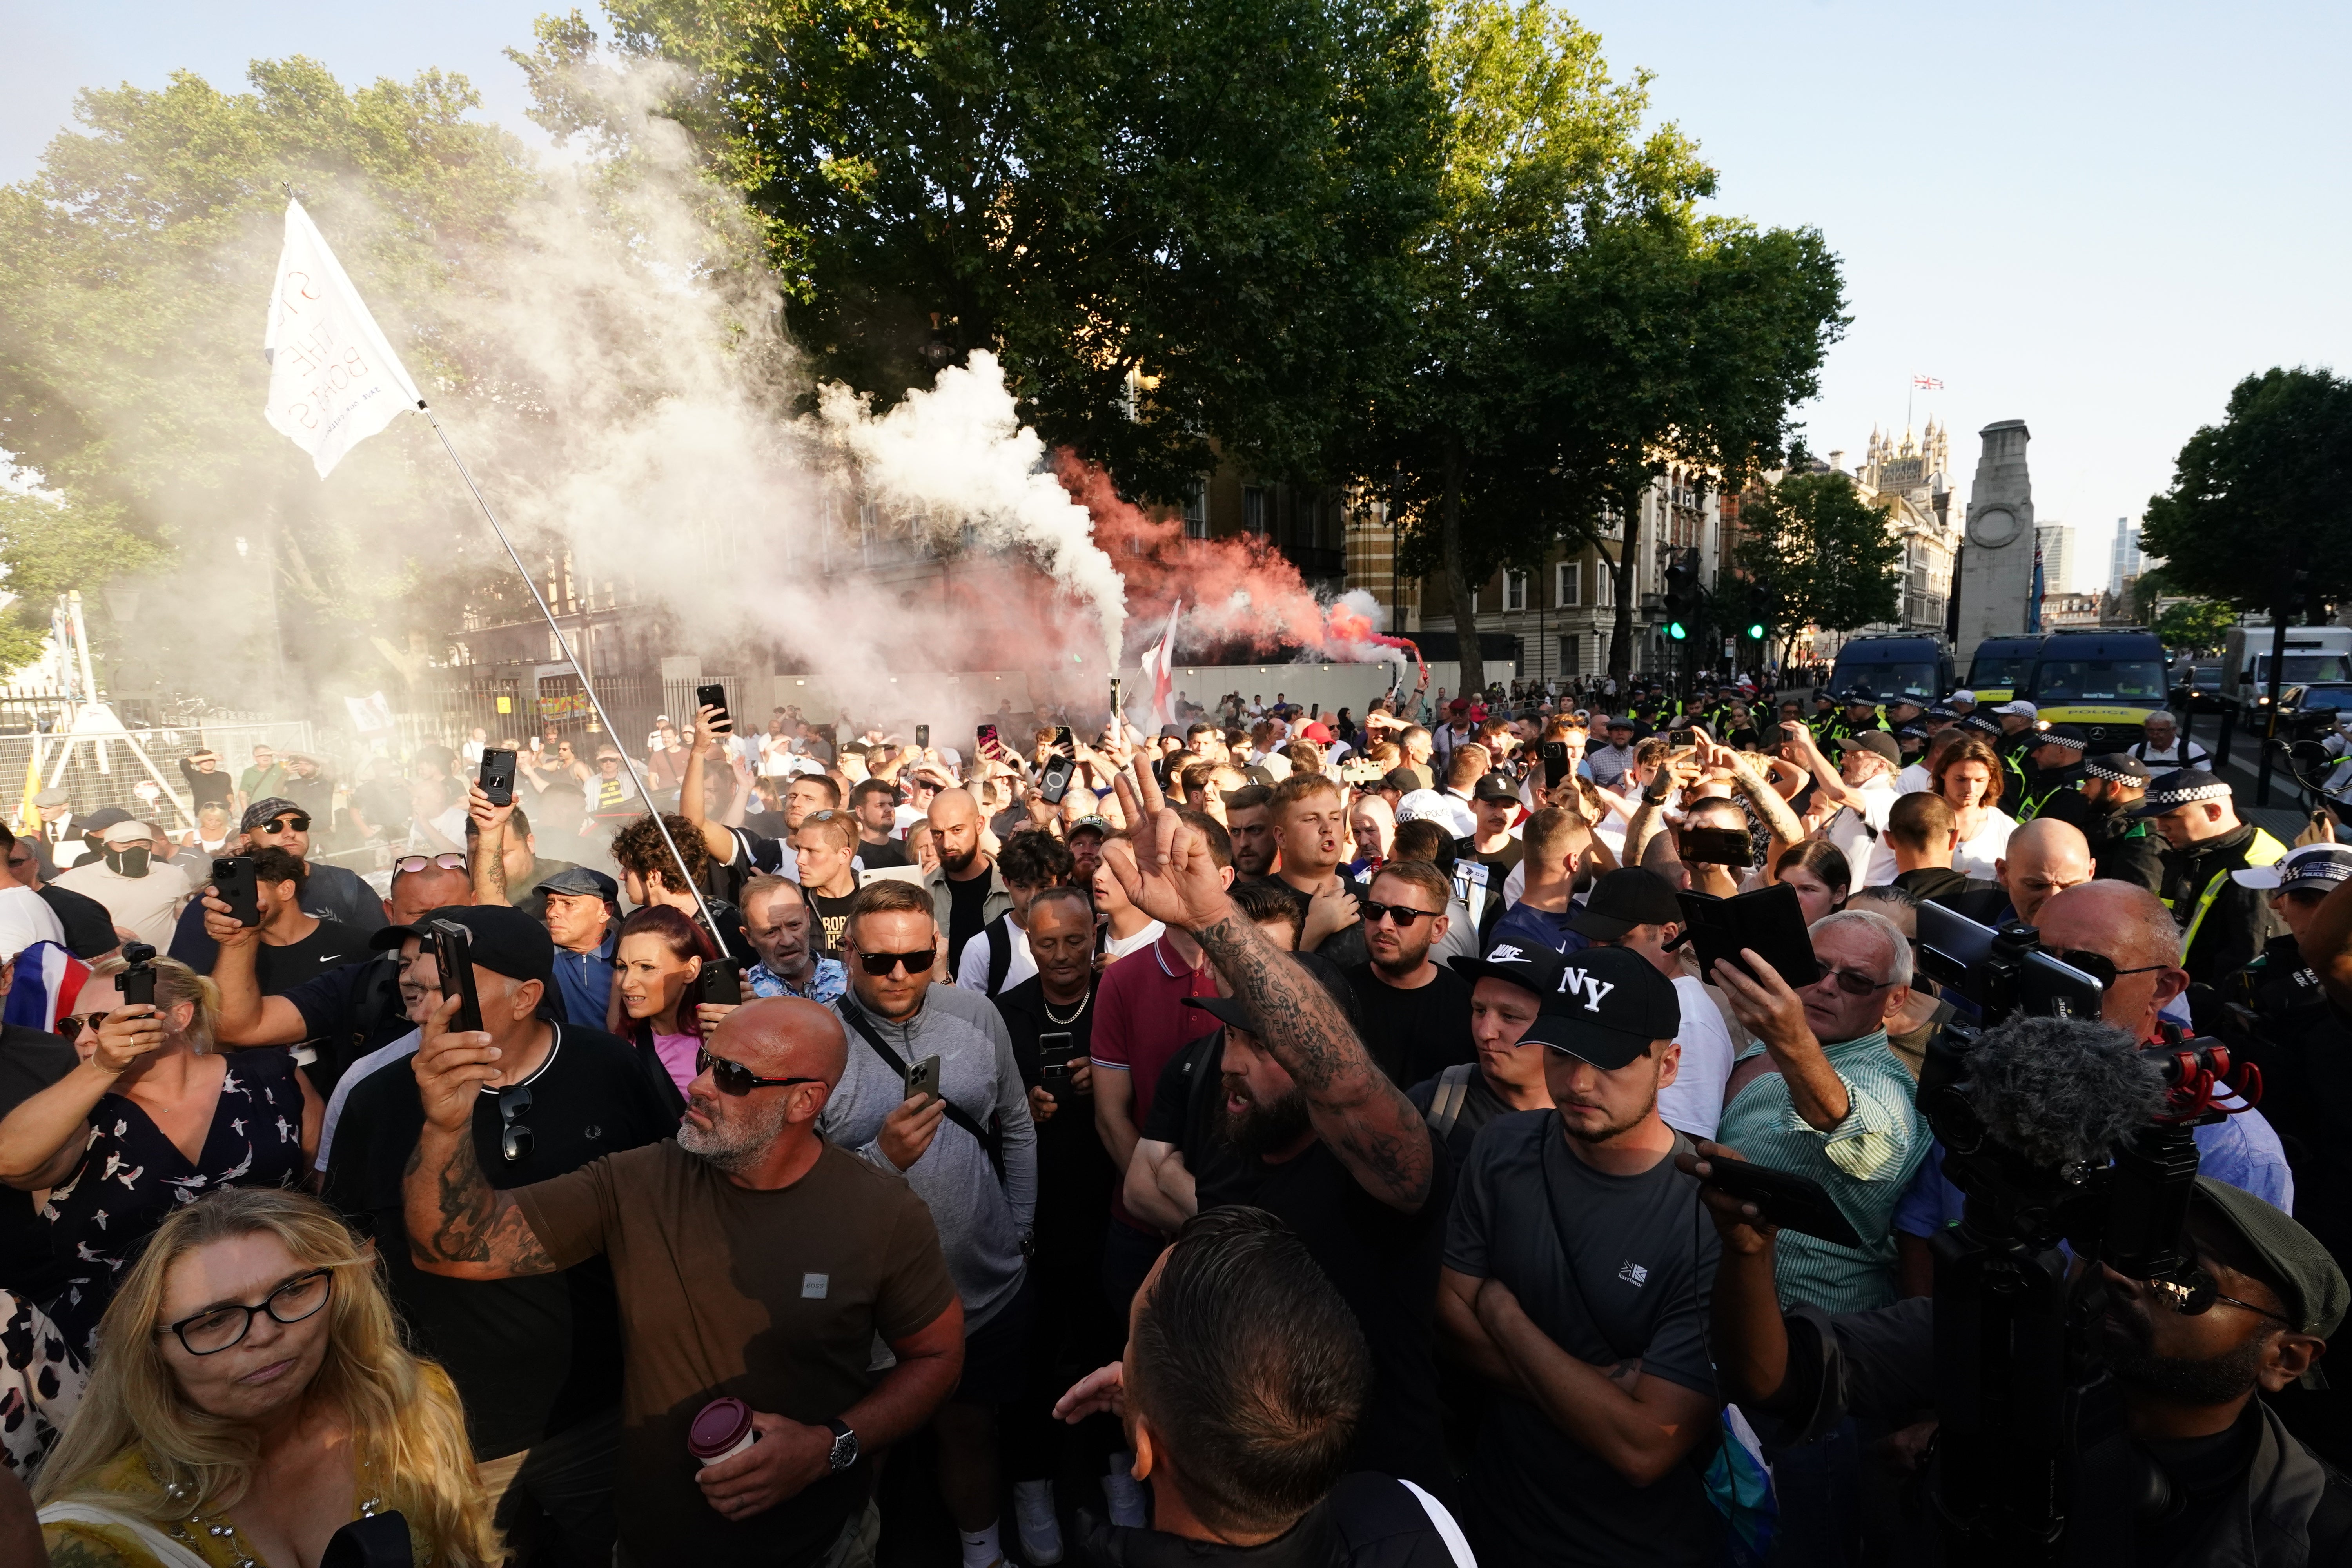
845,1445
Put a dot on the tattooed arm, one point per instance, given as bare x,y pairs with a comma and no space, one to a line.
1164,866
457,1225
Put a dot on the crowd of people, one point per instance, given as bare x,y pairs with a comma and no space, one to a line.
1289,1138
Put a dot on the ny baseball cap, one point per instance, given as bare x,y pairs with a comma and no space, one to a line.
2314,865
2021,708
2180,788
1877,742
502,939
1606,1007
1628,897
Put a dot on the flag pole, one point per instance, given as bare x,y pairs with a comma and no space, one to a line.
573,658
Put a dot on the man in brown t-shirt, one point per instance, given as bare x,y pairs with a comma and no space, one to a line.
750,1259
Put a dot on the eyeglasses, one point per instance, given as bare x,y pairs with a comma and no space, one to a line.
215,1328
1849,983
884,963
409,864
1404,914
2102,968
735,1079
285,824
2201,1295
514,1138
71,1025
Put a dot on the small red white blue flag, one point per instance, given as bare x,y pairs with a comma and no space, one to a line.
47,985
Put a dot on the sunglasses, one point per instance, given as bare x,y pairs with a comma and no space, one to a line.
884,963
409,864
1404,914
71,1026
1849,983
514,1138
2102,968
285,824
735,1079
2201,1295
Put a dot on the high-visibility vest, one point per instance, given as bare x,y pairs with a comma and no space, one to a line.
2260,850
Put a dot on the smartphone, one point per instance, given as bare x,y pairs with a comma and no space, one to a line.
452,954
234,882
1716,846
1682,740
1555,762
923,737
721,982
925,1078
498,775
716,697
987,740
1057,781
1768,920
1054,1053
1063,740
1785,1198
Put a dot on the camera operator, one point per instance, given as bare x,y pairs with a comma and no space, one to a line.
2224,1481
2222,925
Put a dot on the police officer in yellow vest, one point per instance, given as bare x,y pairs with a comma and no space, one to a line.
2223,924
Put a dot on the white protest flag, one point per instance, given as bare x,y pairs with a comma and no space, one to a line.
334,379
1156,661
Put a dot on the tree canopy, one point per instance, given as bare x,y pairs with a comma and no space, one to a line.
2263,496
1824,552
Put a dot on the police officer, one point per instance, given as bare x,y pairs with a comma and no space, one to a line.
2222,925
2055,770
2278,987
1860,715
2020,727
2123,848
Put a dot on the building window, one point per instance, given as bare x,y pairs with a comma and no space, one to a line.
1572,583
1253,510
1196,510
1515,590
1568,648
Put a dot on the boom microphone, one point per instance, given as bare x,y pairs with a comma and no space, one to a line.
2062,1090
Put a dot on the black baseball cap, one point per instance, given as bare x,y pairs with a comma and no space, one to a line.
504,940
1606,1007
1495,786
1402,780
1525,964
1628,897
1233,1010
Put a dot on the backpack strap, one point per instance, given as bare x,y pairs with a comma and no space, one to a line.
1446,1105
999,953
988,1141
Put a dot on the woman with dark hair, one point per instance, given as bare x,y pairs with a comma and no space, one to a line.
1818,871
660,955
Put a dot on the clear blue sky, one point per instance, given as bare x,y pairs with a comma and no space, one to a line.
2095,218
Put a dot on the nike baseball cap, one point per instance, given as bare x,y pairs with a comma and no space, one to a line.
1606,1007
1522,963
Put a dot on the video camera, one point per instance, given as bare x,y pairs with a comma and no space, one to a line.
2074,1136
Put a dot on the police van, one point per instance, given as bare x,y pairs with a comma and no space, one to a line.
1999,665
1919,668
2105,682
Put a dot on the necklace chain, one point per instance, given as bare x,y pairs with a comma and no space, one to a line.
1083,1003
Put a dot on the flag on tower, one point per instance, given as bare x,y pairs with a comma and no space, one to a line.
333,378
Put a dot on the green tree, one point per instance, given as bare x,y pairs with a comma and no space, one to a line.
1579,325
2263,496
2196,625
137,267
1826,551
1178,222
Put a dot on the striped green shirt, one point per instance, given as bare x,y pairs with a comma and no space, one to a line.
1863,1163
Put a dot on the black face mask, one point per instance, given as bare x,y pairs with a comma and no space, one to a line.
130,862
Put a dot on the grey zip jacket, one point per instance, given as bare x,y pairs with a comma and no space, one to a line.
982,1222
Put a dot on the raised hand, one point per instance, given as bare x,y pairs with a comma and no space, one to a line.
1163,865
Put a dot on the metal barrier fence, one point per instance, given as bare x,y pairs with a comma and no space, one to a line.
99,774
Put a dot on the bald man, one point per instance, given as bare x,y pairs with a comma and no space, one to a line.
967,891
2121,934
746,1230
2041,859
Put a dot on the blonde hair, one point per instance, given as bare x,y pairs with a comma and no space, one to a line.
176,982
408,1428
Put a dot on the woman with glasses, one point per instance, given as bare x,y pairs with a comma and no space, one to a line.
256,1400
659,957
153,1118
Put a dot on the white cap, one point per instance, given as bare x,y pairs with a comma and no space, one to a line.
2023,709
1968,697
127,832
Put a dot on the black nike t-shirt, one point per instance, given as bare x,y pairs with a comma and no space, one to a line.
530,1356
329,946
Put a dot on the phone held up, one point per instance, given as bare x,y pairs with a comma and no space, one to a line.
716,697
235,885
498,775
1555,762
137,982
453,957
923,737
925,1078
720,983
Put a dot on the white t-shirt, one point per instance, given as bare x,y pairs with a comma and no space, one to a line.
971,965
1974,857
2184,754
1860,834
1120,947
1693,1103
1913,780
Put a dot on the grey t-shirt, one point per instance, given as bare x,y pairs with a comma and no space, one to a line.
1634,1285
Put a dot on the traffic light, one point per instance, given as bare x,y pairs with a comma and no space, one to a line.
1682,596
1760,609
1675,630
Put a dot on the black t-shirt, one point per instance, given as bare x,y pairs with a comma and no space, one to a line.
833,914
347,1012
1075,1175
530,1356
1383,1263
1501,861
1480,1105
330,945
1610,1268
1415,1034
30,1061
880,856
967,910
89,930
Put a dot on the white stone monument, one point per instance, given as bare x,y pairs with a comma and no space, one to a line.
1996,584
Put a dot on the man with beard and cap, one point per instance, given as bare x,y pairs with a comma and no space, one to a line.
2222,925
1506,989
1576,1283
2216,1479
